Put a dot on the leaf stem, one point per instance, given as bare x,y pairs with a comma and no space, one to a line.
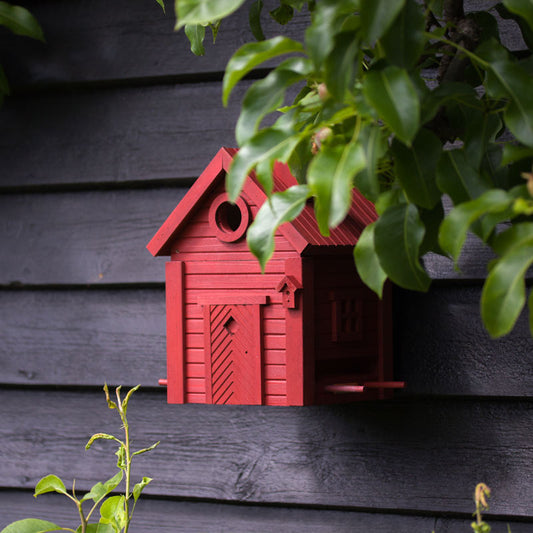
83,520
128,457
471,55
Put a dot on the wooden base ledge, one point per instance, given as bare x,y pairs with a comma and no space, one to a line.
346,388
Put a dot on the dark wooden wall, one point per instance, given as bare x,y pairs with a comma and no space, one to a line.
108,125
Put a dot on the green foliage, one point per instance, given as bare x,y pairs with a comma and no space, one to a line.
410,105
116,511
19,21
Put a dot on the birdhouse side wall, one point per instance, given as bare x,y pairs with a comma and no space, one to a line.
226,272
347,322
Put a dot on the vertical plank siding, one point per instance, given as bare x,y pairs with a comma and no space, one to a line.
108,125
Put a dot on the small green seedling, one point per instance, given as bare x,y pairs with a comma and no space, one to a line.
116,511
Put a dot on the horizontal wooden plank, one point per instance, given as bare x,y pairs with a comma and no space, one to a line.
83,237
160,516
90,336
129,39
99,237
443,348
414,455
132,39
114,135
83,337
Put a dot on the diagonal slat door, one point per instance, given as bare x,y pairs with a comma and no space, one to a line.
235,354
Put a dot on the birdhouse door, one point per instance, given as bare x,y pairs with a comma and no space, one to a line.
233,353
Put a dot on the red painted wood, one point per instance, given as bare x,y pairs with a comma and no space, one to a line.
295,335
344,387
385,385
246,298
233,354
175,271
294,319
229,221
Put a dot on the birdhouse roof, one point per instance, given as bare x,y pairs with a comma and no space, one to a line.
302,232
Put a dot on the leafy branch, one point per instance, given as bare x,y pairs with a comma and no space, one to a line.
116,511
409,102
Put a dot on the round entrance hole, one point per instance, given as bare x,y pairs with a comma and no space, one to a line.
228,217
229,221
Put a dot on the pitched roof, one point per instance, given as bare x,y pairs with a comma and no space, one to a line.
302,232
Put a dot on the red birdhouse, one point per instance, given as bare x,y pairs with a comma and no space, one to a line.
306,331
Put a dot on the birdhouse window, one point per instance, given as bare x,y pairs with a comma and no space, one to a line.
229,220
346,316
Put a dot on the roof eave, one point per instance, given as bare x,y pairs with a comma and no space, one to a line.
160,243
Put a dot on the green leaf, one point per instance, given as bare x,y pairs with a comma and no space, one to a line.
102,527
515,83
50,483
388,198
267,95
339,68
162,4
196,35
457,178
111,404
282,14
98,436
139,487
121,457
486,23
374,143
112,512
4,85
20,21
99,490
453,230
144,450
112,507
449,91
524,8
260,152
330,179
513,153
367,261
377,16
504,291
254,19
128,398
480,130
398,235
203,11
214,26
300,159
279,208
91,528
31,525
392,94
432,219
416,168
250,56
517,235
326,23
404,41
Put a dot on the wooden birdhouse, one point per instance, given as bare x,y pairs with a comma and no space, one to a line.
306,331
